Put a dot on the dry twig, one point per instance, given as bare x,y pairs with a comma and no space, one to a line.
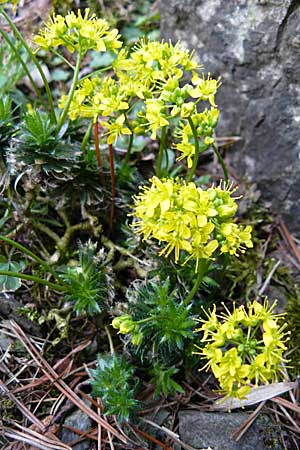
59,383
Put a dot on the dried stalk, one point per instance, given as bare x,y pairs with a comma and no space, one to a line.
59,383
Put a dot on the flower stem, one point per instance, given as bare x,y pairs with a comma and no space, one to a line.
63,59
23,64
32,255
98,154
86,136
202,268
161,152
23,276
65,111
148,319
35,61
222,162
95,72
111,345
113,183
127,156
197,149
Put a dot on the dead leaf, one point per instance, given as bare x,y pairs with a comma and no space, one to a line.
256,395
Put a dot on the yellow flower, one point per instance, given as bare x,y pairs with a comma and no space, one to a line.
251,350
155,115
137,338
223,201
204,124
78,33
13,2
210,324
187,149
213,354
205,89
187,109
236,237
258,370
115,129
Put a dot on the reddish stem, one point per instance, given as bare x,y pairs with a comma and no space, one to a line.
113,182
98,155
152,439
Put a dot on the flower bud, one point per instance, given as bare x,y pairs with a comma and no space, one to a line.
118,320
127,326
136,339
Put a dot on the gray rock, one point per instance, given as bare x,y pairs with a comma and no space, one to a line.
78,419
9,310
202,430
5,341
254,45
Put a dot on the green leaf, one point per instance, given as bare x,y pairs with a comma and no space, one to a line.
161,378
87,283
7,283
131,34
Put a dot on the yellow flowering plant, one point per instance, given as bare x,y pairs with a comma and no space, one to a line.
189,220
154,75
78,33
244,348
165,78
158,89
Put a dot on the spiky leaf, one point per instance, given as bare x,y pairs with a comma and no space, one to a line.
112,381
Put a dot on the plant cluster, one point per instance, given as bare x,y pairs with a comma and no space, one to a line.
78,33
158,321
87,282
112,382
66,187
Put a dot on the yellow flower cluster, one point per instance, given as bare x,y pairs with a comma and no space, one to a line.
204,124
151,64
78,33
152,72
190,219
95,97
171,100
243,347
155,115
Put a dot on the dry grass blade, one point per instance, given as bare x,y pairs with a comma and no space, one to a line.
33,438
289,240
257,395
247,423
24,410
269,278
287,404
83,434
289,417
60,363
152,439
30,416
170,434
99,434
59,383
